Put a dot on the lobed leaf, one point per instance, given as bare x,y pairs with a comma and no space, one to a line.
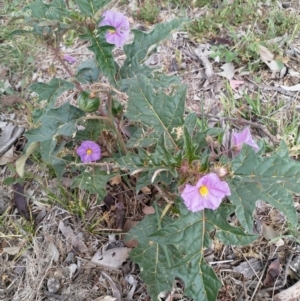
90,7
102,50
160,112
50,91
143,41
151,256
270,179
56,10
94,180
88,72
55,123
191,233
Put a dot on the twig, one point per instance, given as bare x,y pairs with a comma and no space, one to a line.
59,58
269,88
111,88
259,281
254,124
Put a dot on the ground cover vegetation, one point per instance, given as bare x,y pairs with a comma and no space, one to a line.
158,151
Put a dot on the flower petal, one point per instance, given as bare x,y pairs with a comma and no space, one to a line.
121,25
244,137
216,188
83,149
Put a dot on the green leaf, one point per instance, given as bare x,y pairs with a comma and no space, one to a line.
103,51
143,41
20,163
92,131
270,179
94,180
88,72
55,122
90,7
158,79
151,257
191,233
49,150
141,138
52,90
156,110
56,10
189,146
190,122
159,166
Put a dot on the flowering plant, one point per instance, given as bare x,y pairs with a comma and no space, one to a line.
203,181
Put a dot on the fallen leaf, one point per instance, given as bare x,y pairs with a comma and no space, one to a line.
116,292
148,210
129,224
290,294
272,273
133,282
146,190
11,100
108,201
74,239
112,258
11,250
20,200
268,232
274,66
106,298
20,163
54,251
115,180
228,71
7,157
265,53
295,88
234,84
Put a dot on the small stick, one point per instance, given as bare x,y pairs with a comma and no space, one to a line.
254,124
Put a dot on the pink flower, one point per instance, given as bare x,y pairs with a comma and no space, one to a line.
244,137
117,20
89,151
69,58
208,193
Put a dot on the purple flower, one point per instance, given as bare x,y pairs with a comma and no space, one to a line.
244,137
117,20
89,151
69,58
208,193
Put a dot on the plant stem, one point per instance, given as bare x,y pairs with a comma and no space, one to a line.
159,227
59,58
112,122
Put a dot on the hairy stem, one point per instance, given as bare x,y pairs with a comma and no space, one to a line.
112,122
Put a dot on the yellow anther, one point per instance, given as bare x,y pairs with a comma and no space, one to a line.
89,151
203,190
